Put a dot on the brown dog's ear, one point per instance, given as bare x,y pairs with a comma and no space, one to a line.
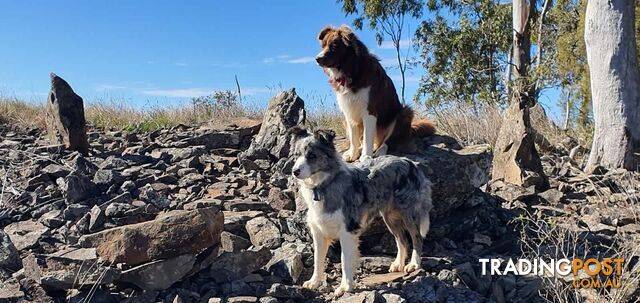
298,132
345,29
327,135
346,34
324,32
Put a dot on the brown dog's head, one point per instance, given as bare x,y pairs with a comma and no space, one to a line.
338,45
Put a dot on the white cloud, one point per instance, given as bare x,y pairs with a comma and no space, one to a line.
388,44
407,79
107,86
179,92
389,62
182,64
300,60
288,59
191,92
250,91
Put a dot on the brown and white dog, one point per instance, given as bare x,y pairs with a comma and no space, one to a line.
367,98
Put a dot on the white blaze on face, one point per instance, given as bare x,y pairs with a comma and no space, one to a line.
321,53
302,165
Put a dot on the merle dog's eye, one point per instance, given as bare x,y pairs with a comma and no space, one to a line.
311,156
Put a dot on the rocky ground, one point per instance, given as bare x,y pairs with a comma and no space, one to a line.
192,214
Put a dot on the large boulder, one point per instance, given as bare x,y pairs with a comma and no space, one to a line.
456,173
170,235
65,116
285,110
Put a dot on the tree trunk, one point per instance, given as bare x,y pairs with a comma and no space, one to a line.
516,159
567,112
615,84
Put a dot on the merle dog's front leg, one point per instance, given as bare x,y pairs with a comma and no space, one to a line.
320,247
350,256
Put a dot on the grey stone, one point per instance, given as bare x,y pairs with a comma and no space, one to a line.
9,256
97,219
171,234
235,265
290,292
65,272
150,195
161,274
105,178
233,243
287,263
285,110
120,210
280,199
65,116
78,188
25,234
263,232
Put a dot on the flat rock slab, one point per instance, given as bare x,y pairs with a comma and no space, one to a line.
25,234
161,274
377,279
170,235
65,273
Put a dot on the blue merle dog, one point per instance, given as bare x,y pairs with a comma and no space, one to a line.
342,199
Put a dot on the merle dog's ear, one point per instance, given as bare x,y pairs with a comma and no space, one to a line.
297,132
327,135
324,32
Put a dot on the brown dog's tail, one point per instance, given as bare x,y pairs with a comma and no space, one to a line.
407,129
419,128
422,128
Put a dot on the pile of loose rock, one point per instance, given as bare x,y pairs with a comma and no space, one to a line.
191,214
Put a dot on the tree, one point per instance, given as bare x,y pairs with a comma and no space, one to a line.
613,64
566,59
387,18
464,50
515,158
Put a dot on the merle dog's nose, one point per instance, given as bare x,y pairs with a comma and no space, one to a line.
296,172
319,59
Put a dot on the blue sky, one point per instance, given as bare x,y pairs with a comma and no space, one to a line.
159,53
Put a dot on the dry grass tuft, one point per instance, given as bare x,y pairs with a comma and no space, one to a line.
18,112
469,124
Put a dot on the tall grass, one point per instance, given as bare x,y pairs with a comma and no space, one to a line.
16,111
118,115
469,124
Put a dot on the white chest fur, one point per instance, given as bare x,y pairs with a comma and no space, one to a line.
328,224
354,105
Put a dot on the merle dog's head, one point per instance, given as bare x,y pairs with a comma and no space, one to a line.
314,152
